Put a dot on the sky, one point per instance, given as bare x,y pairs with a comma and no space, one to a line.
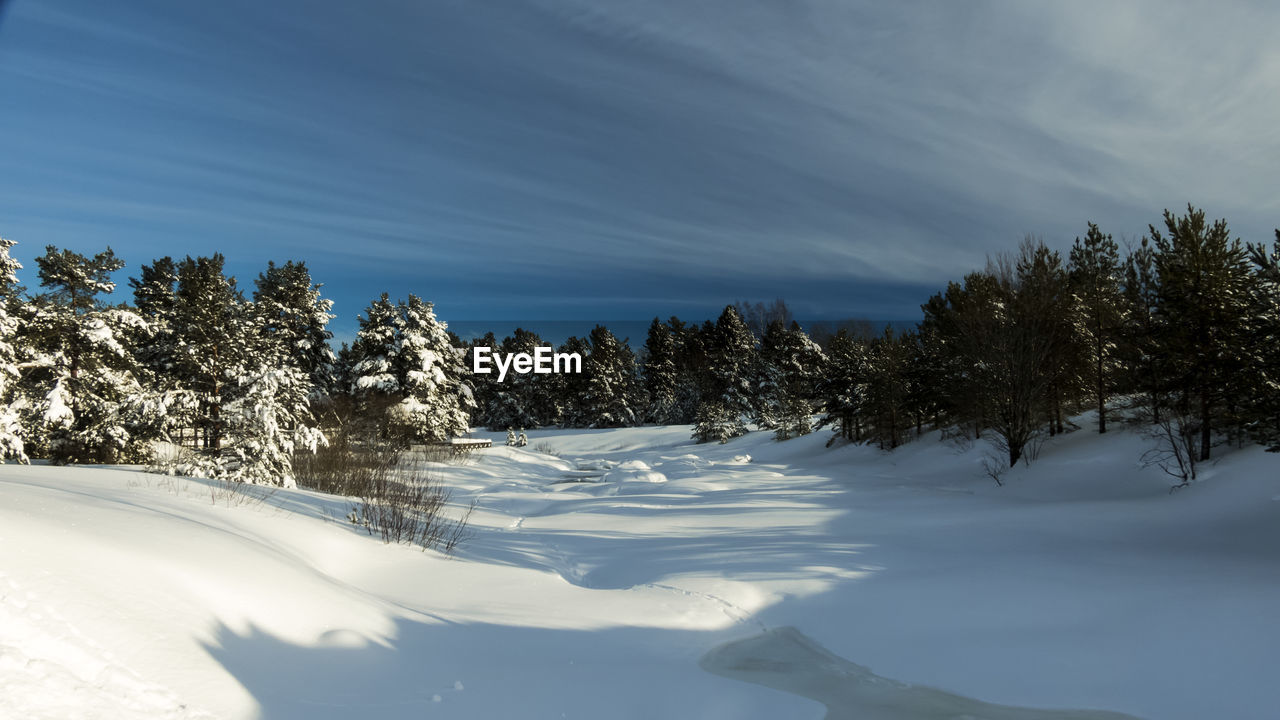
580,159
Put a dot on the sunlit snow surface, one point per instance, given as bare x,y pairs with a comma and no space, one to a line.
598,581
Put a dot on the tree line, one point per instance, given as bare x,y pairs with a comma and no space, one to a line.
1180,331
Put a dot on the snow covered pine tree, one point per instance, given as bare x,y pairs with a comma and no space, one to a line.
11,446
81,391
408,373
731,363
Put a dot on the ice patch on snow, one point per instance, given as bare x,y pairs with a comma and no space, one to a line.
785,659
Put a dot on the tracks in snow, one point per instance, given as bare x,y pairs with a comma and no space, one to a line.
49,669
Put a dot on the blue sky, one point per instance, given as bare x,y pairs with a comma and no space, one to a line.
617,159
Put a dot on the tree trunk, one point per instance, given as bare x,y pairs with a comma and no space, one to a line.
1204,423
1102,398
1061,420
217,406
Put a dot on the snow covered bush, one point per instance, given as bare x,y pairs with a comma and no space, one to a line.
792,416
716,422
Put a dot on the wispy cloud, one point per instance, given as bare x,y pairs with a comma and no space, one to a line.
507,156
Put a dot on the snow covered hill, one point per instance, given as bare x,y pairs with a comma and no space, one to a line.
642,576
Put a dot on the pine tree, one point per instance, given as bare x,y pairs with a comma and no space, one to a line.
1096,283
715,421
11,444
483,385
265,405
887,388
372,382
373,352
693,377
407,373
154,291
437,401
842,388
290,309
946,387
82,390
731,367
771,381
266,419
965,332
789,363
1048,312
660,378
212,334
611,382
1205,289
1263,409
1010,331
1140,358
155,298
230,379
572,387
921,401
520,400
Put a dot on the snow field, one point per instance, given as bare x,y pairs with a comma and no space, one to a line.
598,581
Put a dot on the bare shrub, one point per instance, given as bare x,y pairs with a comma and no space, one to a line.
546,448
404,502
435,452
344,467
400,494
995,466
1177,449
995,461
1034,446
234,493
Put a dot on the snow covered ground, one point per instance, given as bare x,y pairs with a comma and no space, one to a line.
642,576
